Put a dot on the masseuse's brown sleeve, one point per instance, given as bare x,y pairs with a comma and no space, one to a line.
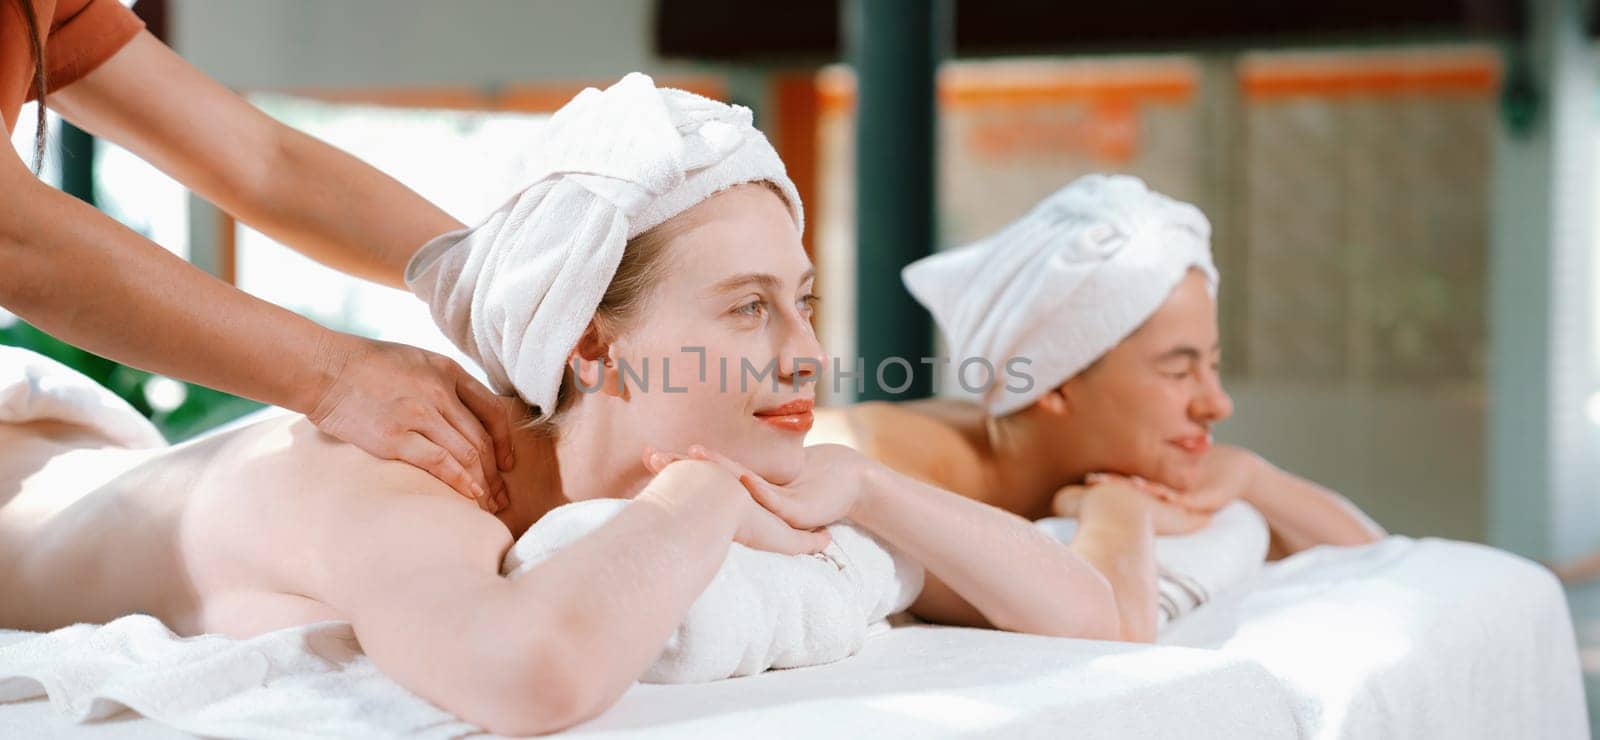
79,35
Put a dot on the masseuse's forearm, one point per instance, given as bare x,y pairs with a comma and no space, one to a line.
1017,577
1302,514
618,594
338,210
1116,536
292,187
81,276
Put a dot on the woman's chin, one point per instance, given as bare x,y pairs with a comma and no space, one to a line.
1179,477
780,468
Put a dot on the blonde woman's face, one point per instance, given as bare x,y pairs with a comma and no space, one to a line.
727,337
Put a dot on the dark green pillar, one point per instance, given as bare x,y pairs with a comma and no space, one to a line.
76,149
895,47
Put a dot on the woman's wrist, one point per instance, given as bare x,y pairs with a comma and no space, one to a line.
879,486
1116,505
697,491
1252,468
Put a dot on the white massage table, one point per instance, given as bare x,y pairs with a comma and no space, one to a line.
1402,639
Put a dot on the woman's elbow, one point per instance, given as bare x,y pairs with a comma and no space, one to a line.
550,690
1101,619
1361,530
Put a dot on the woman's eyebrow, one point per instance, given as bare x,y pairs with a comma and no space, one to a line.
764,280
1186,351
1189,353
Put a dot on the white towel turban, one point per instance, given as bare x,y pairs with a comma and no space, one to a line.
1062,285
517,291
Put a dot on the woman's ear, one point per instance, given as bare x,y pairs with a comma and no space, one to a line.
1058,402
593,367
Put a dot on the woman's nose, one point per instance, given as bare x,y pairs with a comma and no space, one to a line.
1213,403
801,355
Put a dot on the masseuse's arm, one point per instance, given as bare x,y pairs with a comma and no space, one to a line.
556,645
80,276
296,189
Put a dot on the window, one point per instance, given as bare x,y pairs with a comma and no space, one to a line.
466,162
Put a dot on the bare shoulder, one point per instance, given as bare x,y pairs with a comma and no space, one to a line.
921,439
290,506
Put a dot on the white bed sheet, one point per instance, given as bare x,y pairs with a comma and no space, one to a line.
1406,638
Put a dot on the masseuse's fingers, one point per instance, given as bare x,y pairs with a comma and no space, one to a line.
470,459
471,431
382,396
440,462
488,409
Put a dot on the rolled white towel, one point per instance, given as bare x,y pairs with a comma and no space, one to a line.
36,388
762,610
1194,569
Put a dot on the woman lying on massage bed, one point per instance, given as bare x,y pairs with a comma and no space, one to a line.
1096,316
682,229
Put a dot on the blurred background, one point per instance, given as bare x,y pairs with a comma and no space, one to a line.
1402,193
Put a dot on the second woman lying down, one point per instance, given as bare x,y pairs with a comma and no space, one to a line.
1106,292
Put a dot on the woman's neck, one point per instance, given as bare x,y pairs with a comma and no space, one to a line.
587,460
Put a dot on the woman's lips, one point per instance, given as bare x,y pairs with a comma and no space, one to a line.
794,416
1196,445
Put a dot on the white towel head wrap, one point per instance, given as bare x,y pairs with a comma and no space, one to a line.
1064,284
517,291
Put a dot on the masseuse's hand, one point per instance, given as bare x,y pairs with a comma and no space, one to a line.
1166,517
829,488
403,403
758,528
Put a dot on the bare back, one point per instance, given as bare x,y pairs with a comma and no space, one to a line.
230,534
